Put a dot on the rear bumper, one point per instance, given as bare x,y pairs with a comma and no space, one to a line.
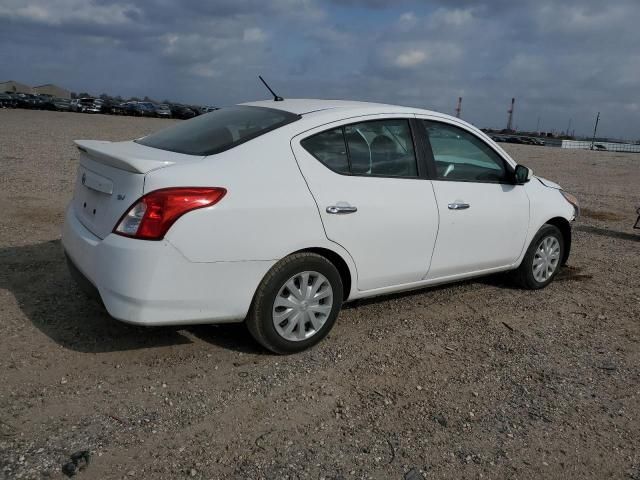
152,283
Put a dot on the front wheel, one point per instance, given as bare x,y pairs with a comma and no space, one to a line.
296,304
543,259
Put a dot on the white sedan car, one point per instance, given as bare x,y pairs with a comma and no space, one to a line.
275,213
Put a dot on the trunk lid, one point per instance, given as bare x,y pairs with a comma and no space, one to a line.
111,178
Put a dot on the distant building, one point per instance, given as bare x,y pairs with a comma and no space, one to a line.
15,87
52,90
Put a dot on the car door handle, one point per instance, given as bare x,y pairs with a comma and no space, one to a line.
341,209
458,206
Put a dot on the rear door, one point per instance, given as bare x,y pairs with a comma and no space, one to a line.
373,197
484,217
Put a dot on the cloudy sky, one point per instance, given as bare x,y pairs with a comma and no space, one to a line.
562,60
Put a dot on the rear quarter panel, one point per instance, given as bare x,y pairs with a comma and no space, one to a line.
267,213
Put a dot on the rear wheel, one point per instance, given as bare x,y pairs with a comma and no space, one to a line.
543,259
296,304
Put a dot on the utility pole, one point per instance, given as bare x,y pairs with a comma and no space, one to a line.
459,107
569,127
595,129
510,112
538,126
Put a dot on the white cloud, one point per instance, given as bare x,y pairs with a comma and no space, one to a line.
411,59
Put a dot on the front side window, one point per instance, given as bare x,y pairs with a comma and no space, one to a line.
219,130
375,148
461,156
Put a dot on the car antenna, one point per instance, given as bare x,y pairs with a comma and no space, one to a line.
276,98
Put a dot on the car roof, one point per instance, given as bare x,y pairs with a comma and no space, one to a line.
304,106
316,113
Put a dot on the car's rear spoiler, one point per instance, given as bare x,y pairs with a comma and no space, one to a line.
130,156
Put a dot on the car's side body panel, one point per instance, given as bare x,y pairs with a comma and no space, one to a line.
489,234
266,213
490,230
392,233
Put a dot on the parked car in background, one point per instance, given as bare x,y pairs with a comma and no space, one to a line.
196,109
89,105
57,104
163,111
182,112
599,146
127,108
349,200
24,100
144,109
7,101
108,106
27,100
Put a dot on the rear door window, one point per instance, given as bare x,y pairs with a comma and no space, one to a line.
219,130
381,148
376,148
329,147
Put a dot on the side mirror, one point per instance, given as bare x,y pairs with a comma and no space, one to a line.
522,174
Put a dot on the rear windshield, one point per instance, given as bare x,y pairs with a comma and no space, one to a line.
219,130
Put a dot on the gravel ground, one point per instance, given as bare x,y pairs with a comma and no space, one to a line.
472,380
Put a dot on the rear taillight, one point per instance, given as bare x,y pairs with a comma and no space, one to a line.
151,217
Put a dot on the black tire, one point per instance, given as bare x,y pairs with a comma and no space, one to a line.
524,275
260,320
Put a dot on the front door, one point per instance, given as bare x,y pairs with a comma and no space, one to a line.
372,197
484,217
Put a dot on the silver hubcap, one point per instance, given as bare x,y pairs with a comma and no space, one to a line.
302,306
546,259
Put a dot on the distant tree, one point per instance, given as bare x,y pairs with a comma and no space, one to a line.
104,96
119,99
134,99
83,94
166,101
74,95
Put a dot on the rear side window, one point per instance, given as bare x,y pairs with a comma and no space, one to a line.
381,148
330,149
219,130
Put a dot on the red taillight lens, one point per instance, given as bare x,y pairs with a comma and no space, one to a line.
151,217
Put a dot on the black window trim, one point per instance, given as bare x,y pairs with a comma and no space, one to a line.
431,162
291,117
418,153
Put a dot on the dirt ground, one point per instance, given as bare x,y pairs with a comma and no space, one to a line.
472,380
